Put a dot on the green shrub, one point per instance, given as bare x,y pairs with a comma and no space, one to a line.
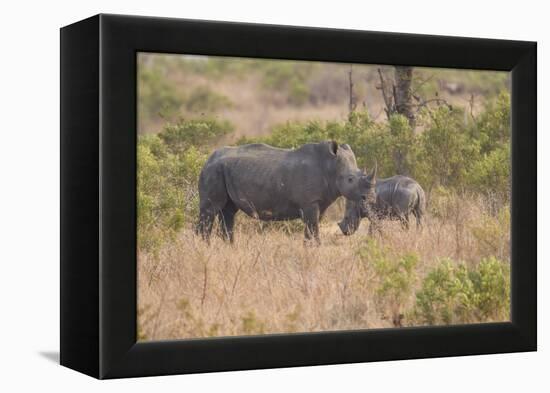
168,168
403,145
292,135
446,151
492,126
465,157
200,133
452,293
490,175
162,196
394,277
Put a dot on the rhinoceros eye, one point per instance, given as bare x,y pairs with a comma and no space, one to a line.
350,179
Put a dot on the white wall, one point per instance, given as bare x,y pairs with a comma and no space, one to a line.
29,193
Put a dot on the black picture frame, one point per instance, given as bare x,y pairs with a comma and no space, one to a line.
98,196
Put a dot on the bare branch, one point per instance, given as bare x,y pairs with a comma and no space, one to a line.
422,83
439,101
387,100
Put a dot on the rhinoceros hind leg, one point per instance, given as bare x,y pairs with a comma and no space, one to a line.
226,219
418,216
206,220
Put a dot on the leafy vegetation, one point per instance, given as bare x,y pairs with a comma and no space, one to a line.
395,277
454,293
169,164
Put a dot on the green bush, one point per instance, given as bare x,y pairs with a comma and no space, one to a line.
394,278
404,149
293,135
200,133
452,293
168,168
490,175
446,150
466,157
492,126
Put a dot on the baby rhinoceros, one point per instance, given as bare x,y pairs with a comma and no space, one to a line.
273,184
394,198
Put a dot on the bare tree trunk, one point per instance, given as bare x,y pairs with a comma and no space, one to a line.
403,93
403,106
398,97
352,98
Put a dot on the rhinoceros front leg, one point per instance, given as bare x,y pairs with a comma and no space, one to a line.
310,215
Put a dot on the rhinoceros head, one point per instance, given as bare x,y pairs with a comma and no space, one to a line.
351,182
356,210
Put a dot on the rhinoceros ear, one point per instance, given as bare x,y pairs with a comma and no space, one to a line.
333,147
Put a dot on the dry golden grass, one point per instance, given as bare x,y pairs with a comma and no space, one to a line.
269,282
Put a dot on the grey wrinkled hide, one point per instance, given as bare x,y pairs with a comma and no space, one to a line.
396,198
274,184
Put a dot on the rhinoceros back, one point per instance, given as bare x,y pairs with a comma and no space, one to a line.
399,195
261,180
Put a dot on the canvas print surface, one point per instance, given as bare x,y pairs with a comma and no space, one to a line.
279,196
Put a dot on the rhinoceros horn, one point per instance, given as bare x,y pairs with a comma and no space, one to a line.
372,175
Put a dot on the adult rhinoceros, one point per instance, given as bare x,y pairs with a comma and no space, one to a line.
274,184
393,198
